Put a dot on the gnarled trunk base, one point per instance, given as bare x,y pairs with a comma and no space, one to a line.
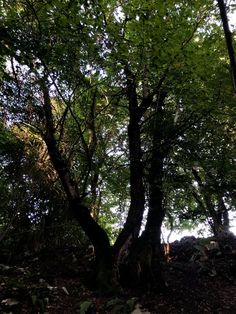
141,269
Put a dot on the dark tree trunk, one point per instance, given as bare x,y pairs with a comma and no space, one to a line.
144,260
133,223
225,215
206,204
143,263
229,40
95,233
156,211
222,224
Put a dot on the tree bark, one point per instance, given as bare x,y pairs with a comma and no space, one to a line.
224,216
137,198
156,211
92,229
143,262
229,41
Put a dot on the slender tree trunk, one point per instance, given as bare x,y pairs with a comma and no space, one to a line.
219,222
95,197
93,168
228,39
132,226
224,216
95,233
155,217
156,211
207,204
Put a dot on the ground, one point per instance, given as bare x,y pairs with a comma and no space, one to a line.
200,276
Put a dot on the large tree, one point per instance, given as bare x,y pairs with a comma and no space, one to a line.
138,74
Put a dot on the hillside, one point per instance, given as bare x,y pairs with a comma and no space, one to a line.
200,276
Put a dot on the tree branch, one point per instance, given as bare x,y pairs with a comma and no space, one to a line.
229,41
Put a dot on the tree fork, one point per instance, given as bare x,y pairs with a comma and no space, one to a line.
132,226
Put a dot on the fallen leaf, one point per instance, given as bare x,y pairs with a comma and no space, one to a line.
65,290
138,310
10,302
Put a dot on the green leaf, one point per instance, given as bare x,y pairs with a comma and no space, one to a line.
85,306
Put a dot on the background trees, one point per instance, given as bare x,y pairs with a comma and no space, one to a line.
119,108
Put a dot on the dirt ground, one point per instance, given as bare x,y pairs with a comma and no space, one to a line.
200,275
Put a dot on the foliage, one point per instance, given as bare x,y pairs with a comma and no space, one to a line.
85,307
104,103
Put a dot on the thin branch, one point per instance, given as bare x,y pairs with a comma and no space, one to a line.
15,77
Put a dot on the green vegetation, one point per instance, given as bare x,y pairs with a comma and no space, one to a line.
115,118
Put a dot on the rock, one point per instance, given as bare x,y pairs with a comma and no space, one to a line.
138,310
10,302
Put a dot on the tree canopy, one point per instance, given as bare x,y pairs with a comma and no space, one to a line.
120,115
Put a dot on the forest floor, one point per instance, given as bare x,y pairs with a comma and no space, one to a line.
200,274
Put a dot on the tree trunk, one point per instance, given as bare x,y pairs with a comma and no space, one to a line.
143,265
95,233
133,223
143,262
225,215
229,40
222,224
156,211
206,203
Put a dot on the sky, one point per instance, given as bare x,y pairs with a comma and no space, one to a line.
201,231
